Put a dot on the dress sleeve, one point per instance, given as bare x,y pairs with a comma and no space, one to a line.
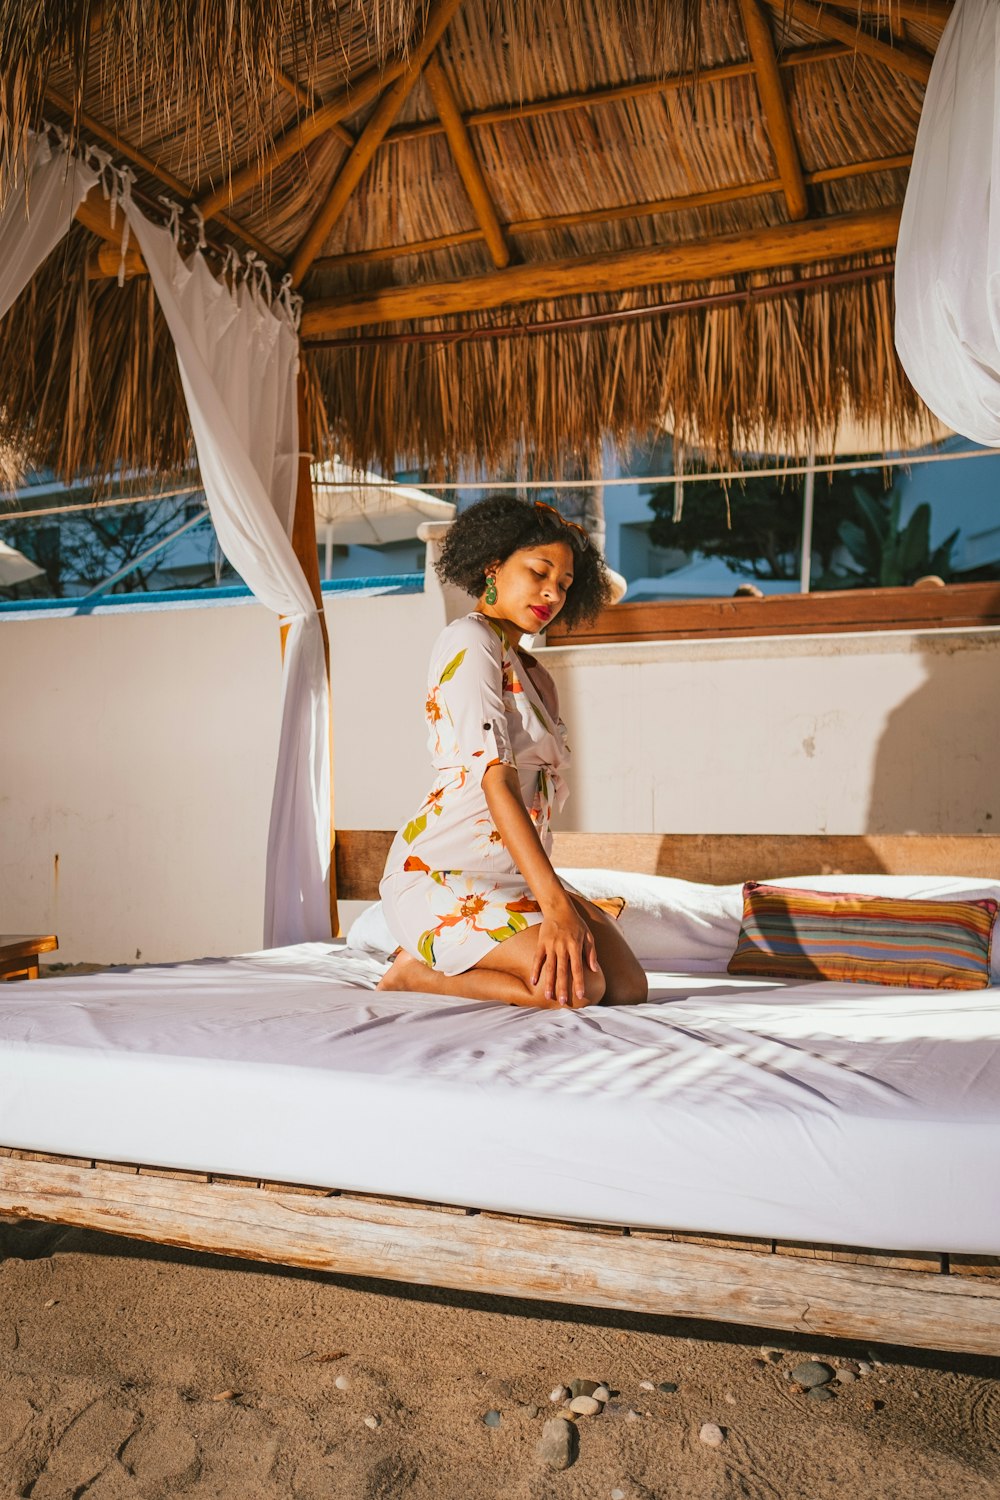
469,701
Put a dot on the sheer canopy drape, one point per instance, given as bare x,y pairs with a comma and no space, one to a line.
238,358
45,192
948,252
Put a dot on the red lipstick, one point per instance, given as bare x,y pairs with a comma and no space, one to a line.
543,614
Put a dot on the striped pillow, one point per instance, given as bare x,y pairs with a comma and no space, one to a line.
798,934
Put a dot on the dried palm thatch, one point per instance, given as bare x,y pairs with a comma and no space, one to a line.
518,229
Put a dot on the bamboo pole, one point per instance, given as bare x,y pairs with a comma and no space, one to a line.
733,193
306,549
777,116
139,158
308,101
354,97
466,161
370,139
802,243
618,93
900,59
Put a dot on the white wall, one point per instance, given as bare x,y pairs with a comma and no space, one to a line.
137,751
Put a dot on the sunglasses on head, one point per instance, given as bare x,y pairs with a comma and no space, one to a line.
584,541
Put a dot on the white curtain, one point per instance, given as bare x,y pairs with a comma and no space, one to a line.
238,360
45,192
948,253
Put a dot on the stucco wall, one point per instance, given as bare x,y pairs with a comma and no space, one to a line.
137,752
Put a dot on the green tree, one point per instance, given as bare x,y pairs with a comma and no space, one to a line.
755,527
884,554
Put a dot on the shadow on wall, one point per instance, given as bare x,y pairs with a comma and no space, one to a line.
937,768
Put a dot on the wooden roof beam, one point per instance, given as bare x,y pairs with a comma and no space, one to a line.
139,158
777,117
310,102
371,138
466,161
734,193
616,94
924,12
300,135
827,22
802,243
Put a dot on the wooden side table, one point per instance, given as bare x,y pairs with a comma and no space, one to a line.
19,954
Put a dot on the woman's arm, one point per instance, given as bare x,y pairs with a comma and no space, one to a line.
565,942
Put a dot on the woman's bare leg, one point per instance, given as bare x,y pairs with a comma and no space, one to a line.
624,977
503,974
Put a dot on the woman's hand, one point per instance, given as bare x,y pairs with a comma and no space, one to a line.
565,950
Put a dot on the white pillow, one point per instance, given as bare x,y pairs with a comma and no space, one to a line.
369,933
669,923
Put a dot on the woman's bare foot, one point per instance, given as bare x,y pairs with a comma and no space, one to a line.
408,973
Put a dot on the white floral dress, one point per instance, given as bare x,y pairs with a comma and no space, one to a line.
451,891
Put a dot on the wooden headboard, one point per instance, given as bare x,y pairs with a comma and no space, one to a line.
714,858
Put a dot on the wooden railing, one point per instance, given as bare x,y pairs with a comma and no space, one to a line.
957,604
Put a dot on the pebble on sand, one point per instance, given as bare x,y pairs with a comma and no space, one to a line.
373,1422
846,1377
812,1372
561,1393
580,1387
617,1494
667,1387
559,1443
492,1418
646,1385
820,1393
343,1382
775,1356
601,1393
711,1435
585,1406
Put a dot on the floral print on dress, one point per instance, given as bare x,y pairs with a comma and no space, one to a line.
451,889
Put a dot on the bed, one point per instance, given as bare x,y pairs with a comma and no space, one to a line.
814,1157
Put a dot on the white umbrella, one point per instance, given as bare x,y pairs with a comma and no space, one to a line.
357,507
15,567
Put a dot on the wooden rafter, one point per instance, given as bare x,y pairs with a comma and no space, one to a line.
139,159
358,93
801,243
733,193
777,116
827,22
310,102
616,94
466,161
371,137
924,12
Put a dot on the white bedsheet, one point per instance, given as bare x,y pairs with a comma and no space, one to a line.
824,1112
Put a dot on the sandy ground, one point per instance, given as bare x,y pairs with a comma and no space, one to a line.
127,1370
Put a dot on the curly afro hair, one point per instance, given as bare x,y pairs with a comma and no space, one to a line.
498,526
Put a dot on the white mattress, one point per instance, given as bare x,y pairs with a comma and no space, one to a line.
834,1113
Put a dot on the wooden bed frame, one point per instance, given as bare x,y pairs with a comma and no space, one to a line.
921,1299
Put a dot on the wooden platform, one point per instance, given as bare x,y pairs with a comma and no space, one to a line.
925,1299
918,1299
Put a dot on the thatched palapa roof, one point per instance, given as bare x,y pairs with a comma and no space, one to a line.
517,227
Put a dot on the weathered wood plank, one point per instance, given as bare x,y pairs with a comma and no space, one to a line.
855,1255
957,604
524,1260
974,1265
751,1243
721,859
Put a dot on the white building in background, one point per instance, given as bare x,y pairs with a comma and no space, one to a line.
963,495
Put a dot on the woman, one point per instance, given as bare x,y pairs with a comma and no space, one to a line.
469,891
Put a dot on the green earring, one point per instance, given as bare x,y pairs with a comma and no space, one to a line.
491,590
